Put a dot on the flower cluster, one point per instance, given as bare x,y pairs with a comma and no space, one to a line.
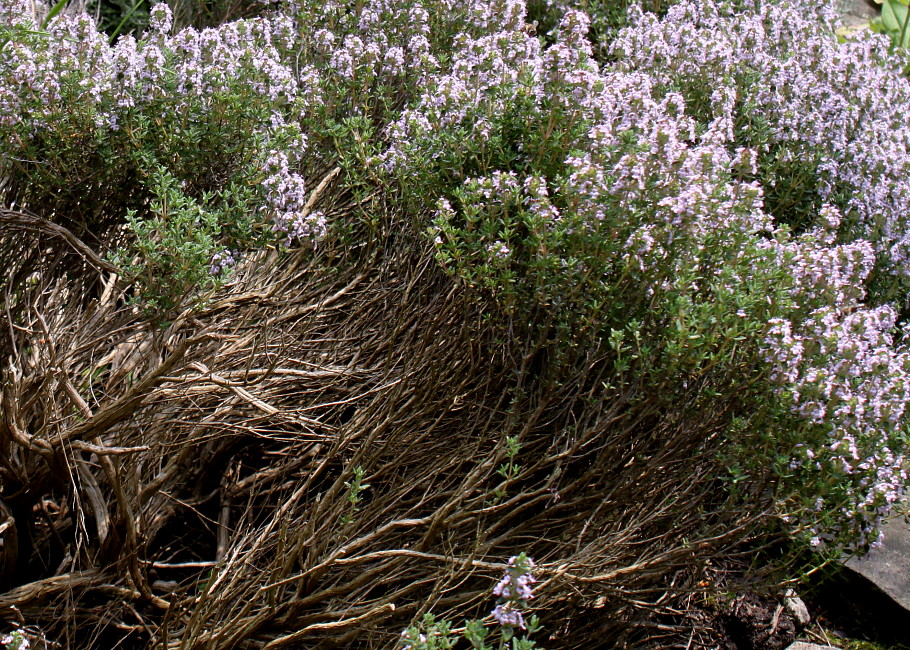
189,69
286,195
379,53
847,379
222,262
15,640
514,592
823,116
412,644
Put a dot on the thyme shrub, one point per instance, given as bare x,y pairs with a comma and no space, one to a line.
716,208
622,203
187,141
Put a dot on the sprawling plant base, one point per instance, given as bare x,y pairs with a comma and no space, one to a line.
187,485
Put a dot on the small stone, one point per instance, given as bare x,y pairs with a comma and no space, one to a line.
802,645
796,607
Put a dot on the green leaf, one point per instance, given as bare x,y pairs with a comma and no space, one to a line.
889,16
129,15
894,20
56,9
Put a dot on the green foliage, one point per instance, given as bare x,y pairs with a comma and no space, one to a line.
211,13
893,21
116,17
607,17
433,634
15,641
174,244
356,488
510,469
429,634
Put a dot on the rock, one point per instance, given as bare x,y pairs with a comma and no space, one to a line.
856,12
888,566
796,607
855,607
802,645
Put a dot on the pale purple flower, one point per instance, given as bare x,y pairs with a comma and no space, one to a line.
222,261
508,616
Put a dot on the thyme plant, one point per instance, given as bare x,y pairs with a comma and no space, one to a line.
697,214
